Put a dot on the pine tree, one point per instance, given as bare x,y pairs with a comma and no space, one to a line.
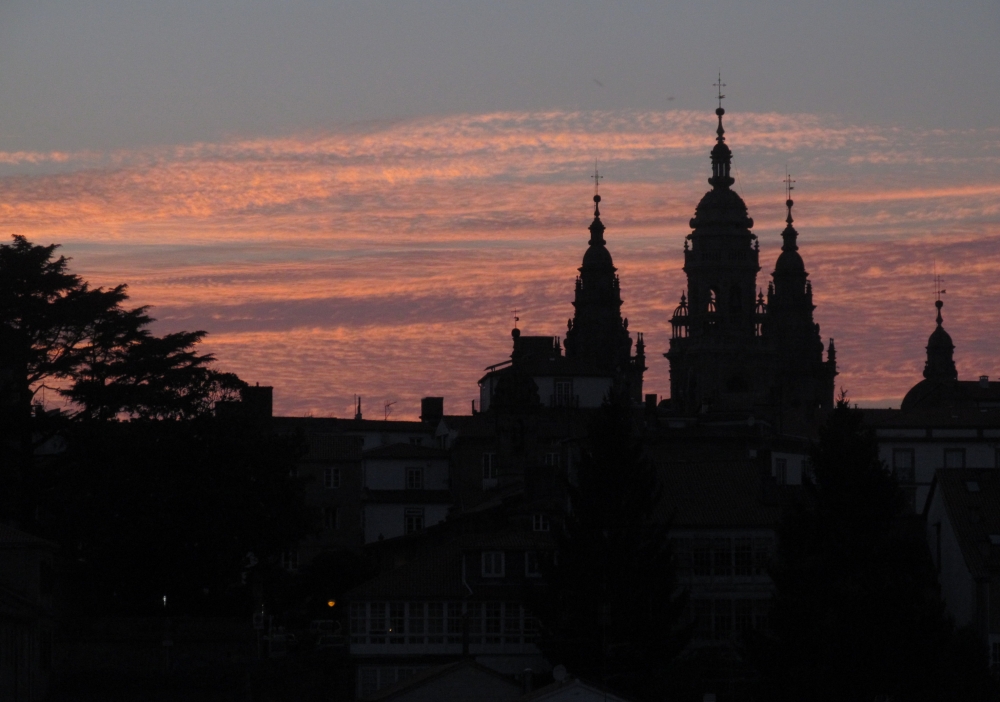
611,611
857,611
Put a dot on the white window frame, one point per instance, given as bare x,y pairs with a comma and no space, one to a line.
540,522
781,471
417,484
491,559
414,513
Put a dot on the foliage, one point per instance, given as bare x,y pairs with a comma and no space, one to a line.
147,508
611,610
857,612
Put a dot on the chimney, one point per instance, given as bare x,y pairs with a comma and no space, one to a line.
258,402
984,381
431,410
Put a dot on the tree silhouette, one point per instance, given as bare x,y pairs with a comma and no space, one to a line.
611,610
857,611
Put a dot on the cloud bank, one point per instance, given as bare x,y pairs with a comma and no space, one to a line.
385,259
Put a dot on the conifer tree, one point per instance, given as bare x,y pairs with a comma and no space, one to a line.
611,611
857,612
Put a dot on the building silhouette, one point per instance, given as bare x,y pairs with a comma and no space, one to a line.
732,351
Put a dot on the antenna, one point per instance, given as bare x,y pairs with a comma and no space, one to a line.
720,85
388,409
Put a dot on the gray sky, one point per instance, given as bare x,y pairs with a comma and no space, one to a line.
107,74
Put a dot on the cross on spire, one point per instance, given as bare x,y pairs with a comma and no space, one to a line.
788,195
720,85
597,179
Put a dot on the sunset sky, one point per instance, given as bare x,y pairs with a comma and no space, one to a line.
352,197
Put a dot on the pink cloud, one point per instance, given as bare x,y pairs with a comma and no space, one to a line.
385,260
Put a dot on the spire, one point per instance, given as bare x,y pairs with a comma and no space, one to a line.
940,352
597,227
722,157
789,235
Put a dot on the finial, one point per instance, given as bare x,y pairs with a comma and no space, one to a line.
516,318
597,198
938,292
720,85
788,195
719,111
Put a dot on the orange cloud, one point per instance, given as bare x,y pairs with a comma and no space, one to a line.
339,263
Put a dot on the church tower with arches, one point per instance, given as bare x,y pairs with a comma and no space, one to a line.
731,349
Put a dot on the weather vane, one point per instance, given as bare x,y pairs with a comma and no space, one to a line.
720,85
788,185
516,318
597,179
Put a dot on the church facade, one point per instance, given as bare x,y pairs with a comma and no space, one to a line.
733,350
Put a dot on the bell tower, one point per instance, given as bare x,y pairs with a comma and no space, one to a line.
718,359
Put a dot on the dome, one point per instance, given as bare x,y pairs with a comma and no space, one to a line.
597,256
721,208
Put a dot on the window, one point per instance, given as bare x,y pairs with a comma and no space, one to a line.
781,471
743,557
454,622
722,558
397,622
564,393
416,441
492,618
551,459
435,622
701,558
413,520
490,471
954,458
511,622
531,568
493,565
414,478
415,622
902,465
331,478
290,559
329,518
539,522
742,615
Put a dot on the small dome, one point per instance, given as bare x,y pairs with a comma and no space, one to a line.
789,262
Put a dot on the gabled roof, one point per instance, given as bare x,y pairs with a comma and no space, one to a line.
572,690
468,680
926,417
436,572
719,494
972,500
15,538
404,451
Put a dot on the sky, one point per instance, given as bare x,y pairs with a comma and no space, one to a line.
352,197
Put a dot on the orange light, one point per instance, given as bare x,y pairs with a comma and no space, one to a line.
330,603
